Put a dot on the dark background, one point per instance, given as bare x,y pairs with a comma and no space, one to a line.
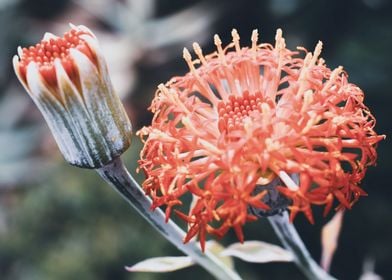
61,222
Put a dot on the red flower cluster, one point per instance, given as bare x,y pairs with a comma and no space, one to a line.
246,116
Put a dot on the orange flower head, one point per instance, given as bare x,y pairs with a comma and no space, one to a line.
245,117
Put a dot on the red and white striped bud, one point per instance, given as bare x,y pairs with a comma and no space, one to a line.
68,80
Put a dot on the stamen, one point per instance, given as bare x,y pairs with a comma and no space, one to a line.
162,88
290,184
332,78
188,59
199,53
303,49
254,38
335,73
279,40
304,71
317,52
205,89
236,39
218,44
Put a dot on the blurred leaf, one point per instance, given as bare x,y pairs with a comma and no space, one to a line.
140,10
22,171
161,264
13,105
186,25
329,239
6,3
19,143
167,264
216,249
368,271
258,252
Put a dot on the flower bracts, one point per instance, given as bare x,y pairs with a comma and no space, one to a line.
68,80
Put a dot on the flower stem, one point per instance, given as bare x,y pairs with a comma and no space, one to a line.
291,240
119,178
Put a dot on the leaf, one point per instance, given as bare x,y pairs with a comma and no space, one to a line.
216,249
258,252
329,239
161,264
168,264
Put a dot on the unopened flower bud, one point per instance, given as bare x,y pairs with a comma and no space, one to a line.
69,82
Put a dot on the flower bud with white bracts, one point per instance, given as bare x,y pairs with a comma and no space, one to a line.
68,80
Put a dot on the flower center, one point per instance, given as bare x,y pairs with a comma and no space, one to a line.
233,112
45,52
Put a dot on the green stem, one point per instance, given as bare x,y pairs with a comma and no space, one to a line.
119,178
291,240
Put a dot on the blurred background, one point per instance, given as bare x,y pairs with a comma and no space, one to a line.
61,222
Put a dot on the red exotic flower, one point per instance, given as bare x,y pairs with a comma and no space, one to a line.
247,116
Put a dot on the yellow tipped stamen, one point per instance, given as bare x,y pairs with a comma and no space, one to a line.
332,78
208,92
236,39
300,48
290,184
218,44
162,87
199,52
307,60
188,59
335,73
317,52
321,61
304,71
173,97
254,39
279,40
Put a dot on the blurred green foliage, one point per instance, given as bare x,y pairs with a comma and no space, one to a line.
60,222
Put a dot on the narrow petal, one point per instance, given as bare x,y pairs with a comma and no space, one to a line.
22,79
56,116
34,81
100,99
48,36
86,128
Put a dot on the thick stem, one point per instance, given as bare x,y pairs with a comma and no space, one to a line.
291,240
119,178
